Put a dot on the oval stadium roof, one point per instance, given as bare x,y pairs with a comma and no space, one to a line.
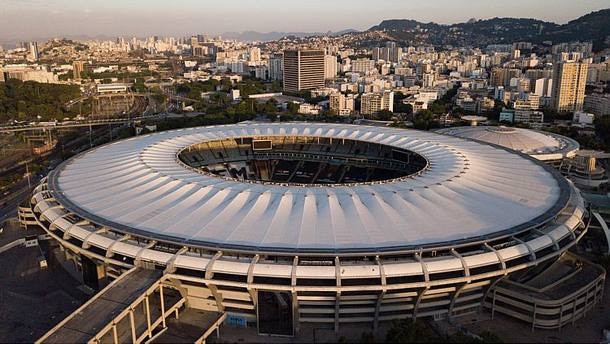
540,145
470,190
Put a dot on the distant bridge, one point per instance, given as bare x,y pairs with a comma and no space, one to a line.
76,124
171,96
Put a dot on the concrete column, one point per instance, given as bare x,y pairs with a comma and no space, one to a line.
132,323
162,305
115,335
295,296
148,322
338,295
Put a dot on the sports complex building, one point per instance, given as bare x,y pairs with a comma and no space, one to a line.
280,226
544,146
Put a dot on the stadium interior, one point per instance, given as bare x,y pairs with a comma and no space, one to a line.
302,160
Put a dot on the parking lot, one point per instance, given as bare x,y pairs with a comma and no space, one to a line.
33,299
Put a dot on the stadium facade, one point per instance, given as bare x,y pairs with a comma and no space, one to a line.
286,224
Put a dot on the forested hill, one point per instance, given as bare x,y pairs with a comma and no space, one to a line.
24,101
593,27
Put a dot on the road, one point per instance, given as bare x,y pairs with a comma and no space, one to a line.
93,123
16,194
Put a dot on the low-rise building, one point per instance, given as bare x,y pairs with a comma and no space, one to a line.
583,118
309,109
371,103
111,88
528,116
341,104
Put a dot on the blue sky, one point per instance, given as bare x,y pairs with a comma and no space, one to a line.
22,19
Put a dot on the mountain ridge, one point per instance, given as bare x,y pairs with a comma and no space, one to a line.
594,26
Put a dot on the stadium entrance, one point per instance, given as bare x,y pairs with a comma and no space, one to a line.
275,313
302,160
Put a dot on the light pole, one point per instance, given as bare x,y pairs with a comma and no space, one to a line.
27,173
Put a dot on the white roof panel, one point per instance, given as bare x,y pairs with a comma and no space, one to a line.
469,190
540,145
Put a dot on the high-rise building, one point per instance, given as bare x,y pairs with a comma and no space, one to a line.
568,89
597,103
276,67
428,80
33,55
502,76
389,53
371,103
77,69
363,66
543,87
303,70
330,67
254,55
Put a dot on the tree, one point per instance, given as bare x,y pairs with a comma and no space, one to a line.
293,108
403,108
383,115
602,128
270,107
399,106
26,100
437,108
425,120
408,331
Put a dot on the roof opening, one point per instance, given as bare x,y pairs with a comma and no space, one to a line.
301,160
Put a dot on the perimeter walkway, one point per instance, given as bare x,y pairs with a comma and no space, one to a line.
86,322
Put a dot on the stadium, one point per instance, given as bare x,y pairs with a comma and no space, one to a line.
283,225
548,147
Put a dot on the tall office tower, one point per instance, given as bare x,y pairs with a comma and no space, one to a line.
303,70
377,53
198,50
394,52
202,38
503,76
276,67
389,53
77,69
428,80
371,103
543,87
33,51
330,67
497,76
254,55
568,88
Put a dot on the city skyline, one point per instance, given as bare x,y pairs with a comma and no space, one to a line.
45,19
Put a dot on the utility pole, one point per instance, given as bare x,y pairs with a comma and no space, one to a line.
27,173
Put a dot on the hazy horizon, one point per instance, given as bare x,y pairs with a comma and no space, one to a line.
42,19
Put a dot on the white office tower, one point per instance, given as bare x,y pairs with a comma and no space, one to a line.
330,67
